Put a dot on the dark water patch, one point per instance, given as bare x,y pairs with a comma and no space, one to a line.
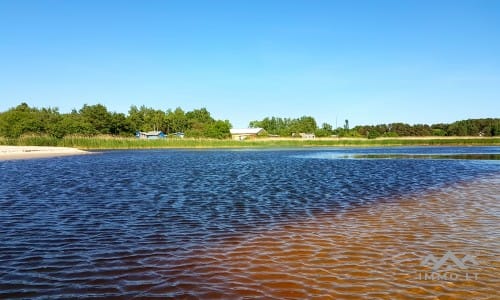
427,156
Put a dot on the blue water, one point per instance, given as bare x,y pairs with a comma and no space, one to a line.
78,225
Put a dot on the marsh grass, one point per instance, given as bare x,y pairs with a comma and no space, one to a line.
110,142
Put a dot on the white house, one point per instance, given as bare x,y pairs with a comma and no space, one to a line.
240,134
308,136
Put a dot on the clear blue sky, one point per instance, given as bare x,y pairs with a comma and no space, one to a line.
367,61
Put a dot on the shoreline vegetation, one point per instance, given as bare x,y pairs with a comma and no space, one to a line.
97,120
105,142
94,127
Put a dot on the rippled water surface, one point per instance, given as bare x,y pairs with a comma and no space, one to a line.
293,224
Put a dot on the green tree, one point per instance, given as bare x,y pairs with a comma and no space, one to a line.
325,130
218,129
23,120
286,126
305,124
120,124
147,119
198,122
177,120
74,124
135,118
98,116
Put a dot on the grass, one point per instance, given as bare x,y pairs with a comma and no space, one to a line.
109,142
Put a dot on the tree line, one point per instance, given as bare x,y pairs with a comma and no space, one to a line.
96,119
307,124
471,127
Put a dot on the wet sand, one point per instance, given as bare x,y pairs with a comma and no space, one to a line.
372,252
27,152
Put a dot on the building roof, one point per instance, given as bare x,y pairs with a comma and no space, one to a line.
151,133
246,130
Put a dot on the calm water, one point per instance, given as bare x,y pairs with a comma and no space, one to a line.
349,223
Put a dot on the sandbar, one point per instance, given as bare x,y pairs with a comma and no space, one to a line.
29,152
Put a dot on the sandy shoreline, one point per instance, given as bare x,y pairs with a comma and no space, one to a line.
28,152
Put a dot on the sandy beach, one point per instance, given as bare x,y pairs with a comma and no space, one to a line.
28,152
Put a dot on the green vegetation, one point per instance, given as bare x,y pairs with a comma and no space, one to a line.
94,127
286,127
93,120
472,127
108,142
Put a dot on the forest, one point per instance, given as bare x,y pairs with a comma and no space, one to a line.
288,126
96,119
92,120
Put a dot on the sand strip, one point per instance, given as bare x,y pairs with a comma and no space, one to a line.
27,152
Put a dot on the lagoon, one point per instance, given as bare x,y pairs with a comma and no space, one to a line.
282,223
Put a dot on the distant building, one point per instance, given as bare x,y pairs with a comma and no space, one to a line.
308,136
244,133
150,135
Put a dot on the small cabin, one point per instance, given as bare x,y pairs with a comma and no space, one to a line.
150,135
244,133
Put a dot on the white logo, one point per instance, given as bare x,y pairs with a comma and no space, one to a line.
448,262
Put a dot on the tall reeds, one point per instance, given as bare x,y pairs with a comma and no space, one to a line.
111,142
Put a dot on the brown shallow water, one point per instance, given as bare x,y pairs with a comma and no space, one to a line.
364,253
